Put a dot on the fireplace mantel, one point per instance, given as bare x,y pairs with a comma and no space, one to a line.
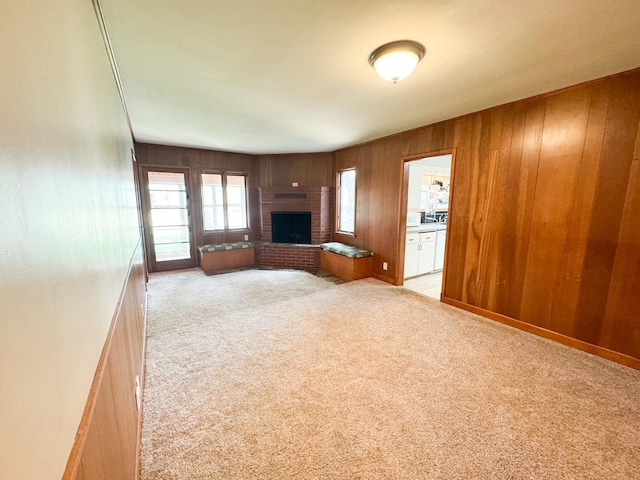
316,200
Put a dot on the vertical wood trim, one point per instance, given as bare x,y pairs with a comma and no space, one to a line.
450,211
485,284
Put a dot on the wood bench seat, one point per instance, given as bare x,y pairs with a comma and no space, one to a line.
346,261
226,256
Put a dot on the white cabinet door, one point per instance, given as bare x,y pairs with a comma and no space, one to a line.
426,252
441,238
411,254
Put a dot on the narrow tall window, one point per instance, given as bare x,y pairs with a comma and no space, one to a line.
236,201
346,201
224,201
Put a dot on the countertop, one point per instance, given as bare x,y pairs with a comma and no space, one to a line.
427,227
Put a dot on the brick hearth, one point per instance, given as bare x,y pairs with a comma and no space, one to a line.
282,255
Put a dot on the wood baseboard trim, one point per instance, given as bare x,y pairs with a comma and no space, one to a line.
75,457
384,279
602,352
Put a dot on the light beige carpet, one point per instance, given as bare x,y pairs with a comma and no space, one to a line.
283,375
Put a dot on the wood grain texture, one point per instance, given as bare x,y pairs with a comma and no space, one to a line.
543,222
621,326
306,169
614,356
197,161
585,196
344,267
211,262
520,194
613,181
106,445
559,162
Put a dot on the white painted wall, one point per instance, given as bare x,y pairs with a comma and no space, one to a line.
68,225
415,185
440,164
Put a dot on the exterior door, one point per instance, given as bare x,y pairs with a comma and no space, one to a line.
167,221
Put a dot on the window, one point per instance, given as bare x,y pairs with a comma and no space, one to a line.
346,201
224,201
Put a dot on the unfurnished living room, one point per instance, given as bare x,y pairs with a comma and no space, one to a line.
295,239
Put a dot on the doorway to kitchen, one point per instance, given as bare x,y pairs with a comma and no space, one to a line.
427,186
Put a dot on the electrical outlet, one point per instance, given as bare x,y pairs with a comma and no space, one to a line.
137,392
384,265
246,237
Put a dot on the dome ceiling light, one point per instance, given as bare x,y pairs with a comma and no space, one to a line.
396,60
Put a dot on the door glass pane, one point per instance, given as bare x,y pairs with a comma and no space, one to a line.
168,198
172,251
169,216
166,181
170,234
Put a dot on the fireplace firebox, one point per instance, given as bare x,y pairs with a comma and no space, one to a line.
291,227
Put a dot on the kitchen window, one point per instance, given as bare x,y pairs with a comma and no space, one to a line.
224,201
346,199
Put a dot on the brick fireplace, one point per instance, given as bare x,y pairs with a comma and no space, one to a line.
316,200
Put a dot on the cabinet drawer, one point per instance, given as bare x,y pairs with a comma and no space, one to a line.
428,237
413,237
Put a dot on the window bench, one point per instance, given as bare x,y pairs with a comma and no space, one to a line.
345,261
226,256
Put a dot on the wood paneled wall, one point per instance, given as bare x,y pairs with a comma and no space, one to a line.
307,169
107,443
544,226
197,160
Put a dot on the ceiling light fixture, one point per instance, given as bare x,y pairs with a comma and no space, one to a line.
396,60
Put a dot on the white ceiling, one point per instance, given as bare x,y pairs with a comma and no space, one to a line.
278,76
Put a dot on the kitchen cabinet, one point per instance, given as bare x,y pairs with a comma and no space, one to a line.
411,253
419,256
427,252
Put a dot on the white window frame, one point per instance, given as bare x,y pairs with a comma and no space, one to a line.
225,202
340,228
